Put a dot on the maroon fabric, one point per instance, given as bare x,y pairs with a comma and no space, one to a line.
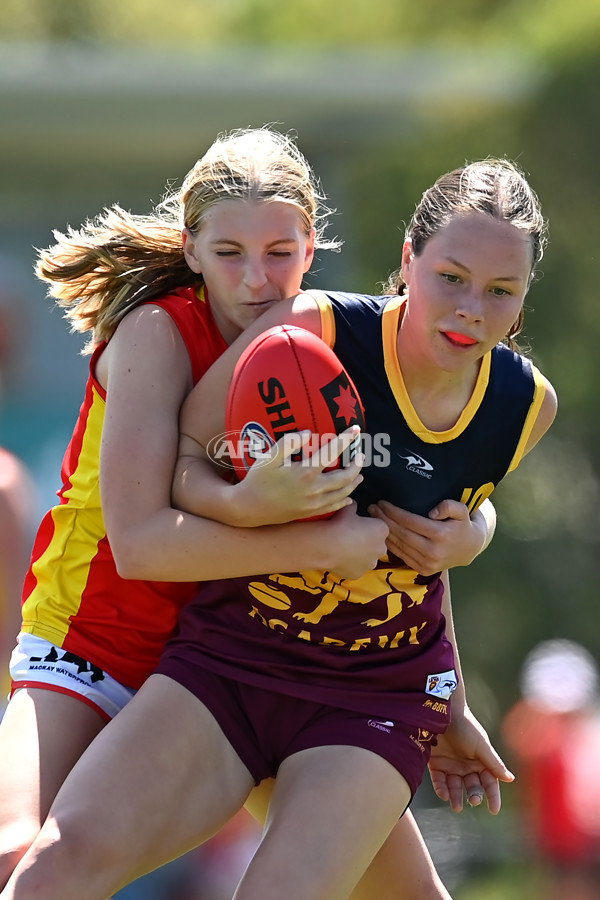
222,631
265,727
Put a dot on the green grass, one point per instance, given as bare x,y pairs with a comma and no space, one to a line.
506,881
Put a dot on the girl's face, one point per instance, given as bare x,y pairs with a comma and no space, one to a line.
465,290
251,254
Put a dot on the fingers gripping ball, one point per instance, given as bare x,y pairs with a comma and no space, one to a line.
289,380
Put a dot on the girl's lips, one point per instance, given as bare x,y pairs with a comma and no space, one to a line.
461,339
261,304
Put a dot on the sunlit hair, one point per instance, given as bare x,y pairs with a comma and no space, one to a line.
118,260
495,187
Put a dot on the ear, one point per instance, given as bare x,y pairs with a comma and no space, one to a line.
407,258
189,251
310,249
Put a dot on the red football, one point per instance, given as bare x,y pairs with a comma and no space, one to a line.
287,380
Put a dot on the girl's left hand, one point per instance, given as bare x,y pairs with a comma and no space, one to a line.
464,761
448,537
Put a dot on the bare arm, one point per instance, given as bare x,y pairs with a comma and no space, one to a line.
203,413
146,371
272,492
464,759
449,537
16,529
545,417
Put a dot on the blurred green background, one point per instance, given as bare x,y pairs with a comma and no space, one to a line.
105,101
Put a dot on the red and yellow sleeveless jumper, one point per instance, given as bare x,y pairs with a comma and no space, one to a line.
73,595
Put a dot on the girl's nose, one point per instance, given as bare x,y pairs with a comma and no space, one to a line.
470,306
255,275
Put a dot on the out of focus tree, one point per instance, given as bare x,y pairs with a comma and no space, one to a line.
544,26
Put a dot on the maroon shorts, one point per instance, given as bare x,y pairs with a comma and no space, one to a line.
264,727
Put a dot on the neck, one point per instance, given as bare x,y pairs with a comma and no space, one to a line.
438,396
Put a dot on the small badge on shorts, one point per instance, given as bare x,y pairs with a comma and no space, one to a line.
441,685
385,725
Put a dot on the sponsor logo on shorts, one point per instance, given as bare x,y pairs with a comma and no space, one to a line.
381,726
441,685
436,706
423,736
48,663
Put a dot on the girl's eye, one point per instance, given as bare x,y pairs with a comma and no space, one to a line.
227,253
451,277
501,292
281,254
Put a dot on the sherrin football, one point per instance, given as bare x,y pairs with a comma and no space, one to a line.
288,380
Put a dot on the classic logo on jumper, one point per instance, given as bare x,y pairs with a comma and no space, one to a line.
418,465
381,726
441,685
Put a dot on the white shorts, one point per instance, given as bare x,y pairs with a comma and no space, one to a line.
37,663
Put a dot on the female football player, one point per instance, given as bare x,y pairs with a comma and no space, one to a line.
288,674
113,561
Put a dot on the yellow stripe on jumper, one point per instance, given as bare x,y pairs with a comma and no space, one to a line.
62,571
